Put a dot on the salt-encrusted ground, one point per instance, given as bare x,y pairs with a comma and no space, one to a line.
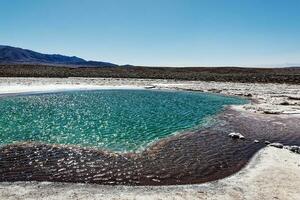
269,98
271,174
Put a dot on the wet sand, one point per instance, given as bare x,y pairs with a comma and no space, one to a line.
271,174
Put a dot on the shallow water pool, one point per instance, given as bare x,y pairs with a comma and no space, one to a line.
118,120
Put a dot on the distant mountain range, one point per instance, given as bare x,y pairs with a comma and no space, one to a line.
14,55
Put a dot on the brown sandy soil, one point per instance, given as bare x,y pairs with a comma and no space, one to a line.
221,74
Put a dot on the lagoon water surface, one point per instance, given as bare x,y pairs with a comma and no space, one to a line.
131,137
118,120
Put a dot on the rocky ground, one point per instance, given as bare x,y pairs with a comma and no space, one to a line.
289,75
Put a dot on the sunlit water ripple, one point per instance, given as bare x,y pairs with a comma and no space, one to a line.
118,120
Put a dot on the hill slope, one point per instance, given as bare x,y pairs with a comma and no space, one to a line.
15,55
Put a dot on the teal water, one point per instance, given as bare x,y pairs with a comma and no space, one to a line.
119,120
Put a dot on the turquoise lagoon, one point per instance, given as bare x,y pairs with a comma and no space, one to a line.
118,120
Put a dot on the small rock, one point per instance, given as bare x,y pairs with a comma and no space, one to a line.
149,87
294,97
295,149
287,147
236,136
274,112
256,141
285,103
267,142
277,145
215,90
233,135
248,95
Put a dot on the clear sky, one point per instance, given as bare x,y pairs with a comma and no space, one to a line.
158,32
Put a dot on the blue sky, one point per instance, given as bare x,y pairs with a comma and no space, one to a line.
158,32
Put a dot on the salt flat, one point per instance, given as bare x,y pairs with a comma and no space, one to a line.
268,97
